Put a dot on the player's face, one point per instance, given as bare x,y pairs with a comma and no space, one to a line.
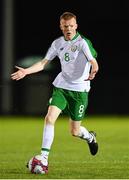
68,28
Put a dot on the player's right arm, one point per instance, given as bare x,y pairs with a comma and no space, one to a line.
22,72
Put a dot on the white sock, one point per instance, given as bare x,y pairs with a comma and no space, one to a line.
48,136
84,134
44,154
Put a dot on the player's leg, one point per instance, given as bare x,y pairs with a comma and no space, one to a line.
78,102
80,131
56,104
48,132
48,136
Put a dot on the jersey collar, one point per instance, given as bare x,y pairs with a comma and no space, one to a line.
77,34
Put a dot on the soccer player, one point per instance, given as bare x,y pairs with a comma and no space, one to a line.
71,86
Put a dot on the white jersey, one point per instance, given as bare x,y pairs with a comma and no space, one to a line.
75,56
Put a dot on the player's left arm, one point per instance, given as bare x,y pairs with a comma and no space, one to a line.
94,69
89,52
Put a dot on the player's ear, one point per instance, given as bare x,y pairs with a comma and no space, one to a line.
76,26
60,27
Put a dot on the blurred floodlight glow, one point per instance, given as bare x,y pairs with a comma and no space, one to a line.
30,60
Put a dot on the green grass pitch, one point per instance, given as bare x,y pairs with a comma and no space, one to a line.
21,137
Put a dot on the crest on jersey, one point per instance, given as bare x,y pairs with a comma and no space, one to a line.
73,48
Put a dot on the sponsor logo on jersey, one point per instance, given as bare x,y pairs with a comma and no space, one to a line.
61,49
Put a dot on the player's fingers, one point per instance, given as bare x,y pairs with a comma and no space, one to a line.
20,77
16,78
89,78
13,77
13,74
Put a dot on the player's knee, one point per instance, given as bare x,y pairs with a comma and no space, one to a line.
49,119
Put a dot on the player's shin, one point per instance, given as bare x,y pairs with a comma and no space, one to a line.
47,140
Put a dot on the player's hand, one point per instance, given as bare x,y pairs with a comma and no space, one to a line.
91,76
19,74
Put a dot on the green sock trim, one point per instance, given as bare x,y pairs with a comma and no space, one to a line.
45,149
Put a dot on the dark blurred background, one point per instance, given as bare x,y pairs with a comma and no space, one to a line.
27,29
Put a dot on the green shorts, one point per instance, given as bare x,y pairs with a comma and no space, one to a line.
74,103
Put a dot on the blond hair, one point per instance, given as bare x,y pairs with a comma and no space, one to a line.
67,16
